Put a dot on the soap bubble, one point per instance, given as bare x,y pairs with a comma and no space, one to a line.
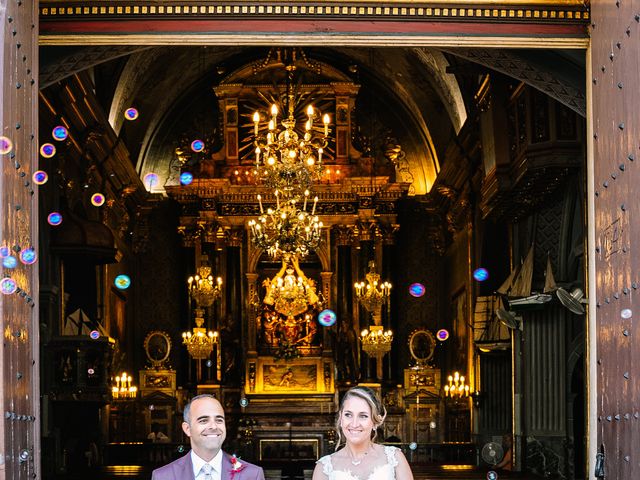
197,146
40,177
54,219
97,199
47,150
60,133
131,113
6,145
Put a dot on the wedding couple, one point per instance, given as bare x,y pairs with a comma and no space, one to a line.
361,413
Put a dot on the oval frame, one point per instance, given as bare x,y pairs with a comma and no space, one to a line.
166,339
413,339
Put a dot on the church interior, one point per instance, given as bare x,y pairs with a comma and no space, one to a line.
274,225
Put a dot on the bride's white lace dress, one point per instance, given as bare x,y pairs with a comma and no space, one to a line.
384,471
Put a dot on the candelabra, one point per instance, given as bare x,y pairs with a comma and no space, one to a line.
456,386
123,390
200,342
285,160
202,288
376,343
373,294
287,229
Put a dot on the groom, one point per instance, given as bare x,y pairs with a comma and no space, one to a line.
204,425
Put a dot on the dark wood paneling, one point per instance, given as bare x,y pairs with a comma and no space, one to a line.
616,121
19,363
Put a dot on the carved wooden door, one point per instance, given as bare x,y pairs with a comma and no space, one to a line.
615,120
19,387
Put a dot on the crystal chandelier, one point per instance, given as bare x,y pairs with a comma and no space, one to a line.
122,388
200,342
287,229
202,288
285,160
373,294
290,295
456,386
375,341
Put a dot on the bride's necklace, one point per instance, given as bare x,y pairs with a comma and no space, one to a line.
357,461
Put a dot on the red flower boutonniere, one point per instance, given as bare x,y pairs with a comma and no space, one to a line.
236,466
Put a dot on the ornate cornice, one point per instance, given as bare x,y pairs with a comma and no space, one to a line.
487,10
560,24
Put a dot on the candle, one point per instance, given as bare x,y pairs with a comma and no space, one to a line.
257,155
320,150
306,195
274,113
315,200
260,202
277,199
256,120
326,121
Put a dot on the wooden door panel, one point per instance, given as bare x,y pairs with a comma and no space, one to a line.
615,83
19,388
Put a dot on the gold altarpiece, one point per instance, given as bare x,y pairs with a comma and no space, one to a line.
356,202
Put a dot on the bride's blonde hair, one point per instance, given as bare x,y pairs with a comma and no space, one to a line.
378,412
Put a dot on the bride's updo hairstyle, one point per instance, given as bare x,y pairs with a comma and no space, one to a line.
378,412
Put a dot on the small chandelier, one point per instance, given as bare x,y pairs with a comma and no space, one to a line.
202,288
122,388
456,387
285,160
200,342
373,294
287,229
290,295
376,342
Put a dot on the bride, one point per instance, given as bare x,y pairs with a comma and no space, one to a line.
361,413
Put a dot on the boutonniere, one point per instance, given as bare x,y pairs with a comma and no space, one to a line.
236,465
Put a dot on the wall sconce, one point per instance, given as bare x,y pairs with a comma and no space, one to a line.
122,389
456,387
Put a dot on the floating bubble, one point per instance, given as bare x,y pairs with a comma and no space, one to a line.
122,282
131,113
491,475
413,446
442,334
186,178
5,251
28,256
244,402
480,274
626,313
6,145
180,448
40,177
91,371
197,146
152,407
54,219
150,179
47,150
416,290
8,286
60,133
94,334
209,363
97,199
327,318
9,262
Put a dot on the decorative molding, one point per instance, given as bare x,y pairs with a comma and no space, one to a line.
561,12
